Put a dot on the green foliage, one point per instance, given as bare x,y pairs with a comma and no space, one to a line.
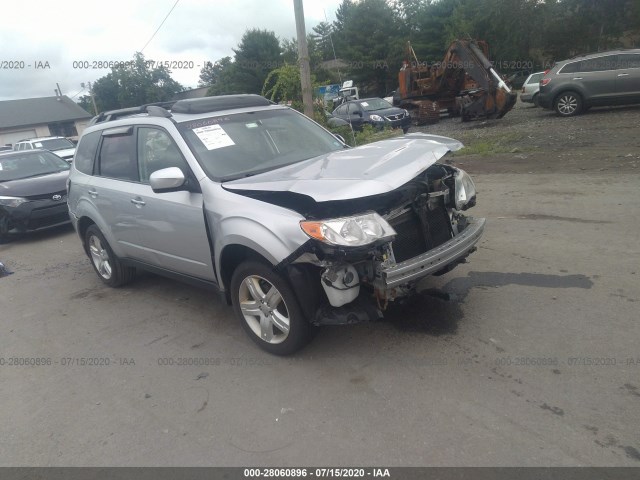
370,37
85,102
283,84
257,54
134,84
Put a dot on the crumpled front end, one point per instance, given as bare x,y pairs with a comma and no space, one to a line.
412,232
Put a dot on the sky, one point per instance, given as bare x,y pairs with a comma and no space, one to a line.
55,42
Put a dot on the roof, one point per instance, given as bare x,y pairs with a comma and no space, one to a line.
36,111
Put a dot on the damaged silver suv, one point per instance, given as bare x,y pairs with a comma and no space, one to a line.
255,200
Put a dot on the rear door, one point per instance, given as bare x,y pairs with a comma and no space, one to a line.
113,186
628,77
598,78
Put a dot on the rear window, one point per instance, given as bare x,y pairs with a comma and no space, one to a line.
629,60
535,78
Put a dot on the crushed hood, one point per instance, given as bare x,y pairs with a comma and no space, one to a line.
371,169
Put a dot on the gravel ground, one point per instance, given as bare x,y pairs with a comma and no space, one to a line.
603,139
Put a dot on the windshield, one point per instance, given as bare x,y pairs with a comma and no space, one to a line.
373,104
245,144
15,167
54,144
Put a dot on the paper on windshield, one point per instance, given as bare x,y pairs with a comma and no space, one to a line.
364,104
213,136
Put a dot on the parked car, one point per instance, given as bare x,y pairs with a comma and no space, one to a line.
61,146
259,202
373,111
33,192
6,148
599,79
530,88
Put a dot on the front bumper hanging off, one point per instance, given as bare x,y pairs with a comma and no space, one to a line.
434,260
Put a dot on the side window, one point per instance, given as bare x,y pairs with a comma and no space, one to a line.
628,60
599,64
342,110
117,157
156,150
571,67
86,152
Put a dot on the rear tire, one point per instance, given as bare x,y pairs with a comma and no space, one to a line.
105,263
568,104
268,309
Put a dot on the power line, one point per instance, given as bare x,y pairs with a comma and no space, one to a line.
79,92
157,29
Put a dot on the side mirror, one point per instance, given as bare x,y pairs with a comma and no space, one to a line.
339,137
169,179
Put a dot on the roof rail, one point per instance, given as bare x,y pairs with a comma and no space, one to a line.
160,110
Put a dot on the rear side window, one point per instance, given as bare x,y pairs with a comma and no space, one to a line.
86,152
117,158
571,68
628,60
600,64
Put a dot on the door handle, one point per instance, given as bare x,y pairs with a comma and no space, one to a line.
138,202
577,78
623,74
93,193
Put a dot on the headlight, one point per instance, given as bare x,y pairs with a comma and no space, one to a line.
12,202
377,118
465,190
353,231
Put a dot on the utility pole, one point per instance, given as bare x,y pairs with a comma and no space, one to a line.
93,100
303,58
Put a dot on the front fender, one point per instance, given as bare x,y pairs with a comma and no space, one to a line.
274,244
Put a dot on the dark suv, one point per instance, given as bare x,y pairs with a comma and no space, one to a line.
599,79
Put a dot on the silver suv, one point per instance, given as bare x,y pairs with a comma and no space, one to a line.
605,78
255,200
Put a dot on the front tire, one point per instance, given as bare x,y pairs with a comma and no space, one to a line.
568,104
105,263
268,309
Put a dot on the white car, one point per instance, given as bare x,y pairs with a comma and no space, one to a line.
61,146
530,88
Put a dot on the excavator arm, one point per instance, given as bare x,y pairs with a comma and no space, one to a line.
464,83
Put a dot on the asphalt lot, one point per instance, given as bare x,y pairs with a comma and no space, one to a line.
529,355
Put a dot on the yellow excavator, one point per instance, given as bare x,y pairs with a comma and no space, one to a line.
464,83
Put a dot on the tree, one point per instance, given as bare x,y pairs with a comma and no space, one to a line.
369,37
213,72
85,102
322,37
137,83
257,54
283,84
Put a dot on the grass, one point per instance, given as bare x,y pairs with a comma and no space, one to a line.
490,145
